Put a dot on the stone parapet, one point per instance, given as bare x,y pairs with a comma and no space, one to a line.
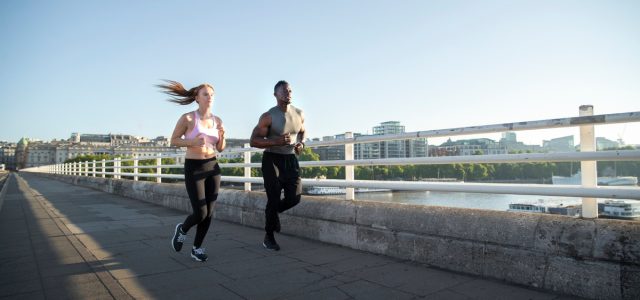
595,258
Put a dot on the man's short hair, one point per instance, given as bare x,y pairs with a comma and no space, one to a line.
280,83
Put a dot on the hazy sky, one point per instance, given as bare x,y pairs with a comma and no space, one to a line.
91,66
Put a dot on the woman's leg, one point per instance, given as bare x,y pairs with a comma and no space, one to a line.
211,187
196,192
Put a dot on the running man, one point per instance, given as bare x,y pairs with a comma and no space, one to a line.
280,131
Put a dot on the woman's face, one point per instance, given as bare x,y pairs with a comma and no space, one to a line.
205,96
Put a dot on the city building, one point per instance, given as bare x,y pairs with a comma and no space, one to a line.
232,149
561,144
332,152
34,153
390,149
236,143
604,144
376,150
480,146
21,153
510,142
8,155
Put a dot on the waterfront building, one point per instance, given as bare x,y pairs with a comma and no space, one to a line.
604,144
561,144
8,154
481,146
376,150
510,142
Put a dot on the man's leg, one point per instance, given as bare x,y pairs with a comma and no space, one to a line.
292,194
291,183
273,190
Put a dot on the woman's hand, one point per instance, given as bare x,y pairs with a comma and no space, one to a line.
198,141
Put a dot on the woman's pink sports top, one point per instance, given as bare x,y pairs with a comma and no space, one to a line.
210,134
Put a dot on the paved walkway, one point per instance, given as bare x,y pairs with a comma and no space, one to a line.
61,241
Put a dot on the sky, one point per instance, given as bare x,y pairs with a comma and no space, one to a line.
91,66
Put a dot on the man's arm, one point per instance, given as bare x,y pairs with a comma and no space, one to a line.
300,137
259,135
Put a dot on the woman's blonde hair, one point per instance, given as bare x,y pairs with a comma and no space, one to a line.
179,94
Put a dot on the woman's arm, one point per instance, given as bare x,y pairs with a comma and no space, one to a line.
222,142
179,131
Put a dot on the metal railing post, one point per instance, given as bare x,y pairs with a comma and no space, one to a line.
104,169
135,168
74,172
158,168
247,170
589,169
116,168
93,169
349,170
86,168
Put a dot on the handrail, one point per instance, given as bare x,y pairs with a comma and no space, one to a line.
470,130
588,156
609,155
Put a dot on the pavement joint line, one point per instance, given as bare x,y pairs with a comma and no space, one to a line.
345,292
33,252
395,288
293,293
114,288
232,291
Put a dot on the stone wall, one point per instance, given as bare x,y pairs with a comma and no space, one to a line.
589,258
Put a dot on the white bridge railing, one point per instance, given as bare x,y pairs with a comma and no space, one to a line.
588,156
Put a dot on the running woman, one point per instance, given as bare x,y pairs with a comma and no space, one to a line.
203,135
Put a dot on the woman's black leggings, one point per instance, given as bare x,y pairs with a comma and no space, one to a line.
202,178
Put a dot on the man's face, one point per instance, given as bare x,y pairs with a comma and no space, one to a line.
283,94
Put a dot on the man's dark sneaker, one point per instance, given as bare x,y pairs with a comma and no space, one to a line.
198,254
277,227
178,238
270,242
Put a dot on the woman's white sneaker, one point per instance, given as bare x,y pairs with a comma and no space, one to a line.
178,238
198,254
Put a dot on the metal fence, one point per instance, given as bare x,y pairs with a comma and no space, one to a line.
588,156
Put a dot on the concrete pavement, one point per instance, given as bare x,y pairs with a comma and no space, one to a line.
61,241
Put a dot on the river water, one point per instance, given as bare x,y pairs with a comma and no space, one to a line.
466,200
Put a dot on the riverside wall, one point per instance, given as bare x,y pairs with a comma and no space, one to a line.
592,258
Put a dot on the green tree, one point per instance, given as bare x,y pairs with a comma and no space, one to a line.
235,171
256,158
